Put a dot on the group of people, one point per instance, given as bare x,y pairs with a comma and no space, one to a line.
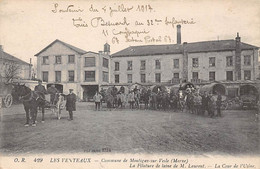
54,92
199,103
191,99
118,99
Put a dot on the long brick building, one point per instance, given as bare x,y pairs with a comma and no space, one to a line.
220,60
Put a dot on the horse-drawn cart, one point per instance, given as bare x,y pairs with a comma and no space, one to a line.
248,96
6,98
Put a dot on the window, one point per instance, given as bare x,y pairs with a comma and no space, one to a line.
129,65
229,75
116,66
247,75
90,62
157,77
212,62
116,78
105,62
45,60
143,78
229,61
90,76
71,76
195,62
211,76
57,76
176,75
176,63
142,67
58,59
129,78
157,64
45,76
247,60
71,59
105,76
195,75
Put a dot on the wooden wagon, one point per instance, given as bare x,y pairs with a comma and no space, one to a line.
6,98
248,95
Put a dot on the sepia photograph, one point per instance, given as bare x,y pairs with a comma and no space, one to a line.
129,84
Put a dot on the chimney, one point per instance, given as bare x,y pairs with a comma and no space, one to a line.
238,39
185,62
178,34
30,69
106,48
238,58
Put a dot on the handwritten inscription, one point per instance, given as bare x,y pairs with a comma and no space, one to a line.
99,21
174,21
69,8
113,21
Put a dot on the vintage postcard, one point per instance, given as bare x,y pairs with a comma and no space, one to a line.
129,84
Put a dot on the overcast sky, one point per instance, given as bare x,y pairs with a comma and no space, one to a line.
26,27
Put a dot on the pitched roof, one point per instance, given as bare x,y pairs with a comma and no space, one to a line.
206,46
7,56
78,50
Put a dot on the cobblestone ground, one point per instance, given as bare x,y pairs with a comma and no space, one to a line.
126,131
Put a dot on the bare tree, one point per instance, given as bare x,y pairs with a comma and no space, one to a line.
11,71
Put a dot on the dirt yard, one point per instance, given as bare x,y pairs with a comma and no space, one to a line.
126,131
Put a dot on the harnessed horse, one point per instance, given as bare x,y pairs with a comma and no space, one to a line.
31,101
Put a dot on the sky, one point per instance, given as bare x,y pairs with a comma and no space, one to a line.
26,27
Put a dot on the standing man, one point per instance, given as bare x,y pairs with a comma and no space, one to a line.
197,103
52,91
97,98
40,89
131,99
103,93
204,102
218,104
211,105
71,103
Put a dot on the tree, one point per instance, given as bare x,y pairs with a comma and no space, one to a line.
11,71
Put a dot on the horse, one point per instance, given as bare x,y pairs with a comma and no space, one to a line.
109,101
173,101
159,99
165,101
153,101
31,101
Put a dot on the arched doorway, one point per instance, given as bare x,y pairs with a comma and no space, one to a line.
213,88
219,88
57,86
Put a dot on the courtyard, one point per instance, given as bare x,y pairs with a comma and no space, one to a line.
127,131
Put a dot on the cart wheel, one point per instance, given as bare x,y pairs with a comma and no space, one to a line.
8,100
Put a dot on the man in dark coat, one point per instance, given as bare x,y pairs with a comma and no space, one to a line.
71,103
204,101
211,105
218,104
40,89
